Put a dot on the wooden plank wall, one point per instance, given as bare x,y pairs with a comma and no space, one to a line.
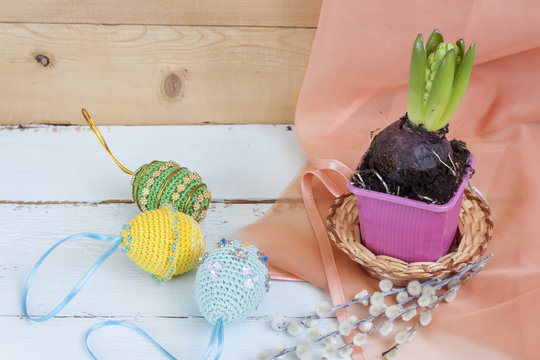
153,62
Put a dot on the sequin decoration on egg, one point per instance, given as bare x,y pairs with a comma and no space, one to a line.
231,281
164,242
250,280
160,182
213,268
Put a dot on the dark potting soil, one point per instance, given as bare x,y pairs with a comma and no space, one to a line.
424,177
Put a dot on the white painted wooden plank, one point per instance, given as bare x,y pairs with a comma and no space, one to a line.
119,287
185,338
59,163
54,163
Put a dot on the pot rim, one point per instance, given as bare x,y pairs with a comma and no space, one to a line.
416,203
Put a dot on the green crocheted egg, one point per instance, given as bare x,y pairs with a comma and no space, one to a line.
166,182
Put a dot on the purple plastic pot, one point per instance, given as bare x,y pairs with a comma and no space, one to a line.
407,229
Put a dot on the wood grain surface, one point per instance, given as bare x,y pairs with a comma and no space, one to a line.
57,181
67,163
291,13
140,74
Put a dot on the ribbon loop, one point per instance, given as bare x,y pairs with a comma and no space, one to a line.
82,281
319,228
129,326
216,337
102,141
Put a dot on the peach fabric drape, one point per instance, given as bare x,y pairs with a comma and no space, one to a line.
356,82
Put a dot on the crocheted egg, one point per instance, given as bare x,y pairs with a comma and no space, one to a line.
164,242
161,182
231,281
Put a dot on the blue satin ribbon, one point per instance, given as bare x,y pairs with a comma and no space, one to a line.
116,242
129,326
217,333
217,336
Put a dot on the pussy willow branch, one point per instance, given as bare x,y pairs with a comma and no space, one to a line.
347,304
438,284
476,267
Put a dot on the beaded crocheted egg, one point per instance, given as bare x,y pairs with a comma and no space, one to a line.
160,182
231,281
164,242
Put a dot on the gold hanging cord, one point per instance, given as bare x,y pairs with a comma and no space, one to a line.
102,140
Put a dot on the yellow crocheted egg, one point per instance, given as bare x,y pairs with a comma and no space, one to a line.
164,242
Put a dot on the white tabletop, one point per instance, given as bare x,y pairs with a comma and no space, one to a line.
57,180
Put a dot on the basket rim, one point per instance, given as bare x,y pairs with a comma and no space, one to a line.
383,266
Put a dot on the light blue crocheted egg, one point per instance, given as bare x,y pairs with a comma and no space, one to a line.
231,281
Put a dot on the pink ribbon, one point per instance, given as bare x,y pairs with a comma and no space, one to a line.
327,256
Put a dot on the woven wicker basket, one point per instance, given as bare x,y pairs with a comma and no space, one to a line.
470,244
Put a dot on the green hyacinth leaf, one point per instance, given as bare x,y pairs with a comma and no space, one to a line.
417,82
460,51
441,90
461,81
461,46
434,40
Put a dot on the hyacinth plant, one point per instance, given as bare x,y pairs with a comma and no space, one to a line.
411,157
438,77
412,305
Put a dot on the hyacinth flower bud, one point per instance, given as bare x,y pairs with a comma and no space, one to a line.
438,77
